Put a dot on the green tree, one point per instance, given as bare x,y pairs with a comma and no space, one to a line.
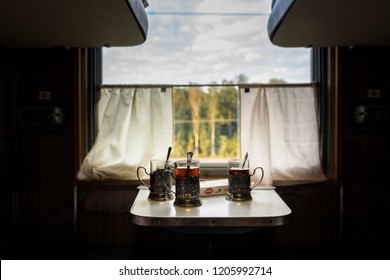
204,144
195,101
180,143
242,79
212,112
206,120
277,81
228,146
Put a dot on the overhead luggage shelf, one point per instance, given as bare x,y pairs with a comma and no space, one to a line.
72,23
325,23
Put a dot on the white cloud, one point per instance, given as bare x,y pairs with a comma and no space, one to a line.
205,48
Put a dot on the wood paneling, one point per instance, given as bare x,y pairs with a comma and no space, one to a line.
316,215
366,153
103,216
44,196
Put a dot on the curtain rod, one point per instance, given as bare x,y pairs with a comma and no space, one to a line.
208,85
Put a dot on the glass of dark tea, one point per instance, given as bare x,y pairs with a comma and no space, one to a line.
187,185
239,180
160,179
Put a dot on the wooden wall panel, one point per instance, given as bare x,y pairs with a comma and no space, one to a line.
316,216
366,152
103,216
44,197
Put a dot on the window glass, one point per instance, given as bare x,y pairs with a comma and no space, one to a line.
211,44
206,41
206,121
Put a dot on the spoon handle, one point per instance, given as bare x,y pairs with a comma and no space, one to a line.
189,158
166,161
245,159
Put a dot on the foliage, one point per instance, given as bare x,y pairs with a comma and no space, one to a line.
206,121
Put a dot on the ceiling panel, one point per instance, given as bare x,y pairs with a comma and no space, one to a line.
72,23
301,23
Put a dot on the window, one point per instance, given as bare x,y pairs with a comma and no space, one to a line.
206,122
204,42
278,128
210,43
205,53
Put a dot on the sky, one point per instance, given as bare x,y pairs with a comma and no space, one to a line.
205,41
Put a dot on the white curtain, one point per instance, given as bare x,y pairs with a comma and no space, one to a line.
280,132
134,125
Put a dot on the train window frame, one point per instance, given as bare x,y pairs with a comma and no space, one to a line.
323,61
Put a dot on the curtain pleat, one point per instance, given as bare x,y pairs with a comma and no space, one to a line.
134,125
279,130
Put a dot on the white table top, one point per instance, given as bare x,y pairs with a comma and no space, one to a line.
265,209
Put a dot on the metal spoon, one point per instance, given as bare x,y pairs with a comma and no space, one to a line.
169,153
189,158
245,159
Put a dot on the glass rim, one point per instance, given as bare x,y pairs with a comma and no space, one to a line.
185,161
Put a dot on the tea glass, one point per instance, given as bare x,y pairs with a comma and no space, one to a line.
187,184
239,180
160,179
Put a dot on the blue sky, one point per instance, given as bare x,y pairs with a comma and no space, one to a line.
204,41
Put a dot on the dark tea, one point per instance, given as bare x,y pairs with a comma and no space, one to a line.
183,172
187,184
239,183
239,179
234,170
160,181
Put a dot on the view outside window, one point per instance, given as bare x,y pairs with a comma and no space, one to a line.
206,42
206,121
